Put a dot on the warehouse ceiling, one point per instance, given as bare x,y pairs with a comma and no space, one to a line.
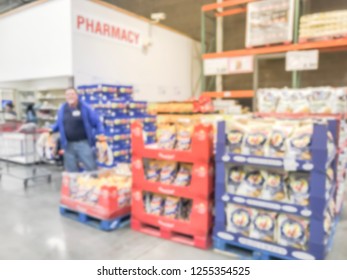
7,5
182,15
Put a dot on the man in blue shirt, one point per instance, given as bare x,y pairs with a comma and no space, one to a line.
78,125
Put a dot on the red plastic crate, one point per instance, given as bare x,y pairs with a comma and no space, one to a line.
201,184
106,208
200,222
201,146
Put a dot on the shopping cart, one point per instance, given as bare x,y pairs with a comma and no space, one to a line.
18,153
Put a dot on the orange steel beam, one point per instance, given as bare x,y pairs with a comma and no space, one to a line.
231,12
230,3
229,94
322,45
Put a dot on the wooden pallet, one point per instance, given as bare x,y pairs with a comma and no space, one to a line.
202,242
105,225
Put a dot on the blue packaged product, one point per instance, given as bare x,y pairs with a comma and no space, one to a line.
149,127
150,140
125,91
121,145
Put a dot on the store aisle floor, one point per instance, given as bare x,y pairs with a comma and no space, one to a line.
32,228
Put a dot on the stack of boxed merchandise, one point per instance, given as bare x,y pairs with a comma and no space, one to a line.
277,185
328,24
173,183
117,110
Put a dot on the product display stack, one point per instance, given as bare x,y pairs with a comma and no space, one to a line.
100,199
173,183
117,110
280,175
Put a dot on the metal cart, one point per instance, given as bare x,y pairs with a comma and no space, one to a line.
18,153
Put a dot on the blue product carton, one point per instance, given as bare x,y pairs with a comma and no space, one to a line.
149,127
125,91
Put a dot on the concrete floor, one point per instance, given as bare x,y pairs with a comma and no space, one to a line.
32,228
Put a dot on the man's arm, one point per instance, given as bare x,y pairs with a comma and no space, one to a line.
95,121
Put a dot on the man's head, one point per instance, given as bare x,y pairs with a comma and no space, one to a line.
71,96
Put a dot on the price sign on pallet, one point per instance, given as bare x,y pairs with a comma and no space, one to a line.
302,60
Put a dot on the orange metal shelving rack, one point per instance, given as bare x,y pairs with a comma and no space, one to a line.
233,7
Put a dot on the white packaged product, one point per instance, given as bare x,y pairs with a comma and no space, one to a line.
239,219
267,100
321,100
264,225
292,231
252,185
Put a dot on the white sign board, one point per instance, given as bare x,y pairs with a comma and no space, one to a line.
302,60
216,66
241,64
224,66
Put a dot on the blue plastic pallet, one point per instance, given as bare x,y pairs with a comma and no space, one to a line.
242,252
105,225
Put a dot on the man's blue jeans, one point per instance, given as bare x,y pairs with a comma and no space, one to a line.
79,152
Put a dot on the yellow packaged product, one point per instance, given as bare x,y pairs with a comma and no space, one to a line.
157,204
166,136
153,171
168,172
104,153
184,136
171,207
184,175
